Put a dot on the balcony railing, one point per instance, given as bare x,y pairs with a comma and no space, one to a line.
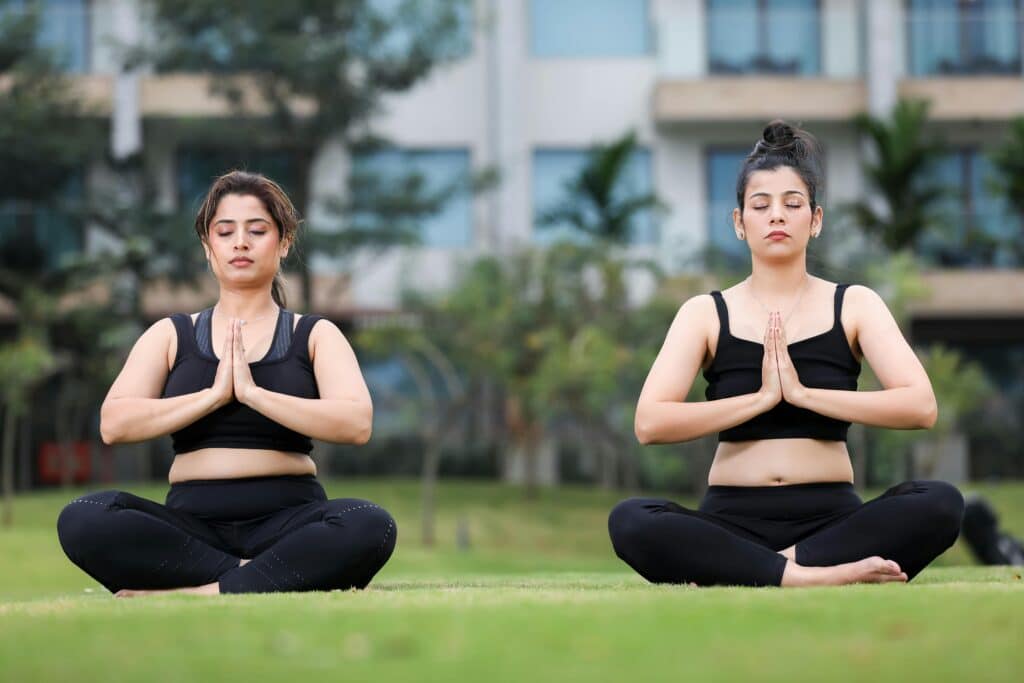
982,40
763,41
814,40
984,237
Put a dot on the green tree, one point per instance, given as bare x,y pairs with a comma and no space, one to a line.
23,364
438,407
47,136
585,362
595,201
558,347
881,455
904,154
1009,162
320,69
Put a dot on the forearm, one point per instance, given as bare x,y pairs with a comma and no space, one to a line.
126,420
896,408
674,421
334,420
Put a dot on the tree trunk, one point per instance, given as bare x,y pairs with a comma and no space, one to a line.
428,492
25,453
609,461
62,430
7,464
434,440
630,470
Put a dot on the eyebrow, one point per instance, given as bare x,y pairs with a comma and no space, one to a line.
767,194
248,220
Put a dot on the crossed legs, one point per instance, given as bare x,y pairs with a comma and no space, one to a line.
890,538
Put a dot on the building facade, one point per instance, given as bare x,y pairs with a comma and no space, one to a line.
543,80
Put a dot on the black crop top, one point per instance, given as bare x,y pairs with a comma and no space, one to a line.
823,361
286,369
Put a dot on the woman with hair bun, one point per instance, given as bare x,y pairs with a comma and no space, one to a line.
781,352
245,513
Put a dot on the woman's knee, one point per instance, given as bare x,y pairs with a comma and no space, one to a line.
81,516
628,521
946,505
370,521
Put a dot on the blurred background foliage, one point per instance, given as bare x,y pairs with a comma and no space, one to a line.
529,365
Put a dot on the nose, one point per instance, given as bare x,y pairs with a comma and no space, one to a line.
777,214
241,241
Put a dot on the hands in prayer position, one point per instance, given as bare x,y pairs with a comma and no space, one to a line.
233,379
779,379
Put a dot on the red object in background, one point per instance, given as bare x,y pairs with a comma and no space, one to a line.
51,467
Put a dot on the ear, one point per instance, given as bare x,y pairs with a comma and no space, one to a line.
737,223
816,220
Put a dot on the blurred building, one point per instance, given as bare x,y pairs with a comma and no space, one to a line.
544,79
697,80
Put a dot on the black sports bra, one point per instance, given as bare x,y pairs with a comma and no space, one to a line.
823,361
286,368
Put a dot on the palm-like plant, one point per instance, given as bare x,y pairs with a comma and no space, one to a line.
899,174
594,203
1009,162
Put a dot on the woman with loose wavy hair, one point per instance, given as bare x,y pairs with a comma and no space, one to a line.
245,512
781,351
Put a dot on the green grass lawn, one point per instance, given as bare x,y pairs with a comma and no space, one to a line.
537,594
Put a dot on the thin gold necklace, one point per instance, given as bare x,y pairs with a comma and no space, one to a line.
250,320
799,296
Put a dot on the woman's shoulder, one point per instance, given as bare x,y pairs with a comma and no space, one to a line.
696,313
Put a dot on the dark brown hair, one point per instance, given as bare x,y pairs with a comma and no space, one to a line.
783,145
274,200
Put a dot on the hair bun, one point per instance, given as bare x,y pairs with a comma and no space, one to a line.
778,136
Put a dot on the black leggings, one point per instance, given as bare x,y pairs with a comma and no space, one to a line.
296,538
734,537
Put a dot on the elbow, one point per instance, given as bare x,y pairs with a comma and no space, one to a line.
643,435
930,415
644,429
109,432
109,436
363,429
362,436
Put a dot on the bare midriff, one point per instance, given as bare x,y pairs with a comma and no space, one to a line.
233,463
778,462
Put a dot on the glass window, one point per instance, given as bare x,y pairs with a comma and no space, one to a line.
418,12
63,29
589,28
764,36
976,225
722,171
964,37
198,167
553,169
440,170
43,233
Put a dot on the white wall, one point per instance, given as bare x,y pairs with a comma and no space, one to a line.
679,30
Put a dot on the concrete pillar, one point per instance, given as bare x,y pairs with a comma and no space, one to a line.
514,214
126,123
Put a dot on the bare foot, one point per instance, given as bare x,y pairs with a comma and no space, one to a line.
869,570
208,589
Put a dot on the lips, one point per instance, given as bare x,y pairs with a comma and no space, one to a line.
777,233
240,261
